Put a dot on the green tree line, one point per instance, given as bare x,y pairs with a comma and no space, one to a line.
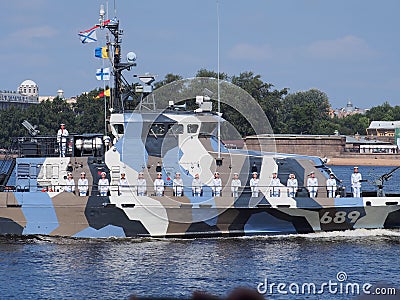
305,112
84,116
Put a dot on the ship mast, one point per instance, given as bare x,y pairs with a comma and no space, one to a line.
218,88
117,103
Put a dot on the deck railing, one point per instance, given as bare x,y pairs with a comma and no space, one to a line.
205,191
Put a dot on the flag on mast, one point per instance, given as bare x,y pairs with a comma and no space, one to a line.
103,74
106,93
88,36
101,52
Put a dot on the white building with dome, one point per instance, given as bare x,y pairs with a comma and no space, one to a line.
27,94
29,88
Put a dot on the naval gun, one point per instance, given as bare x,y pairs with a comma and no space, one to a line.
379,183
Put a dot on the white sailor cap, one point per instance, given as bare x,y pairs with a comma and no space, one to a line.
69,174
216,173
312,172
177,173
255,173
83,173
159,173
355,167
103,173
62,124
123,173
236,174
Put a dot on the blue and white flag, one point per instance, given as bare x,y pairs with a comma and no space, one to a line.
88,36
114,20
103,74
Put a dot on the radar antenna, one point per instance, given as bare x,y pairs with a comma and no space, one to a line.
147,100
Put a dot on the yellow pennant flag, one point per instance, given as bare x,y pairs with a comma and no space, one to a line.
106,93
104,52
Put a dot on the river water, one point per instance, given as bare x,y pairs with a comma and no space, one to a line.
58,268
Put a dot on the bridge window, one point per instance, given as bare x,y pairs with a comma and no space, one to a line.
157,129
176,128
192,128
208,127
119,128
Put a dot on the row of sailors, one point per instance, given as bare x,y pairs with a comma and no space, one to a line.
197,185
83,184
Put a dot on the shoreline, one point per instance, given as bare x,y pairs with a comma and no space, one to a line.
362,161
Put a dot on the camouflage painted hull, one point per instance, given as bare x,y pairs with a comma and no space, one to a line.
164,144
65,214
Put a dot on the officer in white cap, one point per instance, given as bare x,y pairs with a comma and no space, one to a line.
275,186
62,135
331,186
216,185
356,179
103,185
123,185
69,183
141,185
83,185
292,185
255,190
159,185
197,186
177,185
312,185
235,185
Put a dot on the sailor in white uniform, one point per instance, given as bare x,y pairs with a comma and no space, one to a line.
123,185
83,185
356,183
312,185
235,185
197,186
255,190
216,185
292,185
103,184
275,186
331,186
70,183
177,185
62,135
159,185
141,185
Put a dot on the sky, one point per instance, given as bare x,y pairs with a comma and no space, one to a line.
348,49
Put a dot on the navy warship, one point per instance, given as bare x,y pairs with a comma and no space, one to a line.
167,170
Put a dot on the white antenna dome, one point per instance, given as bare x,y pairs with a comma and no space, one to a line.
130,57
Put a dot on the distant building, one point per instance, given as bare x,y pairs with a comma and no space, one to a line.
27,94
60,94
45,98
366,144
350,109
71,100
318,145
324,146
383,128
